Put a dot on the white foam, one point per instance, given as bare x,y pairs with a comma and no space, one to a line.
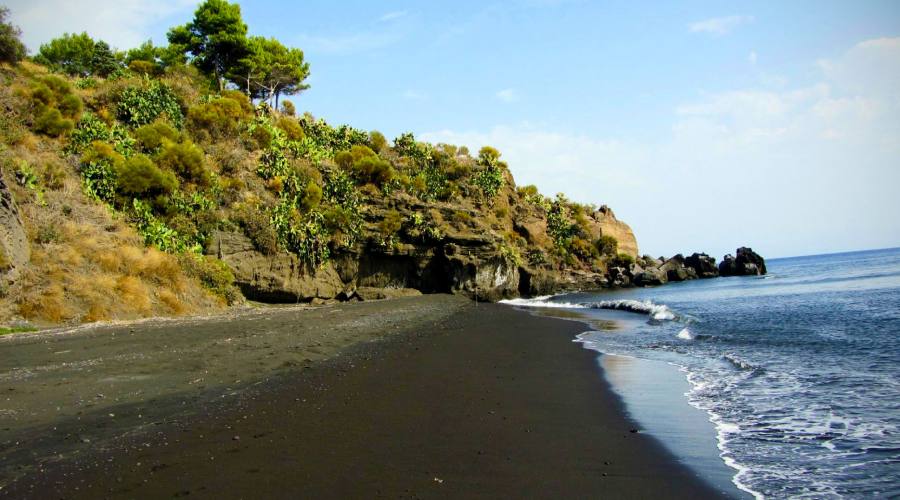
685,334
659,312
542,302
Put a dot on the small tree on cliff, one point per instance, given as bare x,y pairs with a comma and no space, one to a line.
270,69
11,48
70,53
216,39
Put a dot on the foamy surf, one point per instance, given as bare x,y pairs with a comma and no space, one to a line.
656,312
685,334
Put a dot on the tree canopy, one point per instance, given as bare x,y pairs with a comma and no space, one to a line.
11,48
70,53
216,39
270,69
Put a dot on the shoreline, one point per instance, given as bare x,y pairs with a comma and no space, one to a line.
478,400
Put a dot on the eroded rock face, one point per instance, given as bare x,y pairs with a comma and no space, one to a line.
610,226
279,278
651,277
14,249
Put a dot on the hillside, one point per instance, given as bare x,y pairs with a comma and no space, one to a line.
142,195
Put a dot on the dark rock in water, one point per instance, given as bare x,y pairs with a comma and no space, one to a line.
747,263
702,264
650,277
618,276
746,256
675,270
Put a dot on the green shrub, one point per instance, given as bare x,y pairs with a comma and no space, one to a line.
151,137
98,169
312,196
56,108
287,107
219,118
621,260
140,105
214,274
257,227
559,227
51,122
138,176
366,166
91,129
377,141
607,245
185,159
291,128
143,67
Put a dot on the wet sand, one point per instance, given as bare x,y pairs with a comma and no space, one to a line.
452,400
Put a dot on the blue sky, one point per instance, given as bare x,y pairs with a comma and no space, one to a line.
704,125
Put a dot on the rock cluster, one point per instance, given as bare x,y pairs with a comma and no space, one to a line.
747,263
648,271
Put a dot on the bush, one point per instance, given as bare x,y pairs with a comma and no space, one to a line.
51,122
214,274
220,117
99,167
145,104
143,67
366,166
607,245
56,107
287,107
291,127
377,141
257,227
311,196
152,136
138,176
621,260
91,129
185,159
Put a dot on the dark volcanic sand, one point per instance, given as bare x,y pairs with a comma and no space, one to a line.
488,402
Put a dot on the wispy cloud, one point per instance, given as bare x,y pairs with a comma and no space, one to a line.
752,57
390,16
508,95
809,148
121,23
719,26
414,95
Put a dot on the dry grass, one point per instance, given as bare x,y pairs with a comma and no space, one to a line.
86,264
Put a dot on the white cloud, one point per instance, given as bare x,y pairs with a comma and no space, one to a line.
390,16
508,95
788,170
414,95
121,23
752,57
719,26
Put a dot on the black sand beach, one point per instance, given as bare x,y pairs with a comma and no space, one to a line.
454,400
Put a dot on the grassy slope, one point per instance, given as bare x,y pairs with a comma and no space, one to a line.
90,260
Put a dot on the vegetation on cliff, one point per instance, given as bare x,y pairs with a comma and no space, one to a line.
128,168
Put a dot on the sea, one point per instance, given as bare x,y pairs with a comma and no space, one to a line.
783,385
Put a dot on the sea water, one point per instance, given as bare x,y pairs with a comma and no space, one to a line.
798,370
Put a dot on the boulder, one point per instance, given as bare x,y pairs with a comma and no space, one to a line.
747,263
745,257
703,265
674,269
650,277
